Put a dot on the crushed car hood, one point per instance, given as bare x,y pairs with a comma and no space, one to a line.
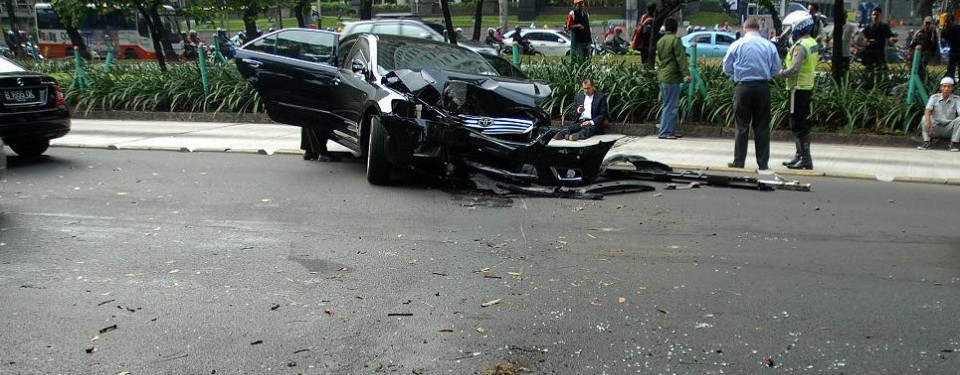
430,83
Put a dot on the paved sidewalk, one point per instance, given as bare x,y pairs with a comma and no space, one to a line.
868,162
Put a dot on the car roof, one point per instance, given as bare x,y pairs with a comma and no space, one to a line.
388,21
529,30
396,15
695,33
403,38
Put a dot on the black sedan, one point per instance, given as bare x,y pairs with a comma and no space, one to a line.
32,109
413,103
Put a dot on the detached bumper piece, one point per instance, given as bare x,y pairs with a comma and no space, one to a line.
592,192
653,171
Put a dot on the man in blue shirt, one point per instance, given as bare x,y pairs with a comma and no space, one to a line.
752,61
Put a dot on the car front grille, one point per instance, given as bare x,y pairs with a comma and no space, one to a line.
495,126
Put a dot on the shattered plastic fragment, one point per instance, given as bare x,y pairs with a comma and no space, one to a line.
490,303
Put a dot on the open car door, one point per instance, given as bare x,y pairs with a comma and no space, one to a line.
287,67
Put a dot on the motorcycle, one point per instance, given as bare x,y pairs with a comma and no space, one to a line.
610,48
526,49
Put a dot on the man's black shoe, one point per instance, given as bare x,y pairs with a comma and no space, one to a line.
802,164
734,165
328,158
310,155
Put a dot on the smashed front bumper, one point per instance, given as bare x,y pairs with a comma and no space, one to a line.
441,149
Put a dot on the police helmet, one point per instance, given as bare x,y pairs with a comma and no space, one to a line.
800,22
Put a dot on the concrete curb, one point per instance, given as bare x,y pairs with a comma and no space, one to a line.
690,167
699,130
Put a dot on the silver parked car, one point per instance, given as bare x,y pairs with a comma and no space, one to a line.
413,28
549,42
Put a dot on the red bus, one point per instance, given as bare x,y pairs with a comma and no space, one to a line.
129,35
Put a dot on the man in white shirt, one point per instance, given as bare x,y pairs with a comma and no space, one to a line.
941,118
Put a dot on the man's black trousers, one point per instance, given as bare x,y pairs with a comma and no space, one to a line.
751,101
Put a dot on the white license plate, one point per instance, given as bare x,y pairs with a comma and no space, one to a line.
19,96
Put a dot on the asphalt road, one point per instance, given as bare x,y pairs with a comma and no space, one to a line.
147,262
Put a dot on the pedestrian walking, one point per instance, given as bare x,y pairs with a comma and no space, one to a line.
751,61
578,25
672,68
800,73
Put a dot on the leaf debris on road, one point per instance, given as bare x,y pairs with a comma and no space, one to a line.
108,329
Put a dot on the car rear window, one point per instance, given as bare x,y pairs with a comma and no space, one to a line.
7,66
402,54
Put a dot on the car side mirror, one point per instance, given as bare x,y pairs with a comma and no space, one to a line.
358,66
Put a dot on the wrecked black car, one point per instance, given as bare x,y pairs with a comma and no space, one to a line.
408,103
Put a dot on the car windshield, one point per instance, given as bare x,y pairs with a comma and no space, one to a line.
7,66
397,54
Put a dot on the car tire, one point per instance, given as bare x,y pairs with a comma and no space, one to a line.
30,147
378,166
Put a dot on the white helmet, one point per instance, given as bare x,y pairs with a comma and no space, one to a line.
800,22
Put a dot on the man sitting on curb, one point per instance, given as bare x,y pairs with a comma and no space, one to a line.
588,114
942,117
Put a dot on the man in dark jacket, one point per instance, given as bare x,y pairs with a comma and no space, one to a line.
876,34
589,113
951,35
926,39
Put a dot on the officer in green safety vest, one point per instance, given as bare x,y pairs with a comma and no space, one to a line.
800,74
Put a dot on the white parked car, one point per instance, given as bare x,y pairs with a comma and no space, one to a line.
547,41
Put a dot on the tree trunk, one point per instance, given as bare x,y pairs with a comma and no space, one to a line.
250,21
13,25
448,22
162,31
477,17
839,21
77,40
774,16
504,12
302,10
366,9
669,8
154,35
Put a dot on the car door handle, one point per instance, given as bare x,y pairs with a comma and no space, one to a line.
252,63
